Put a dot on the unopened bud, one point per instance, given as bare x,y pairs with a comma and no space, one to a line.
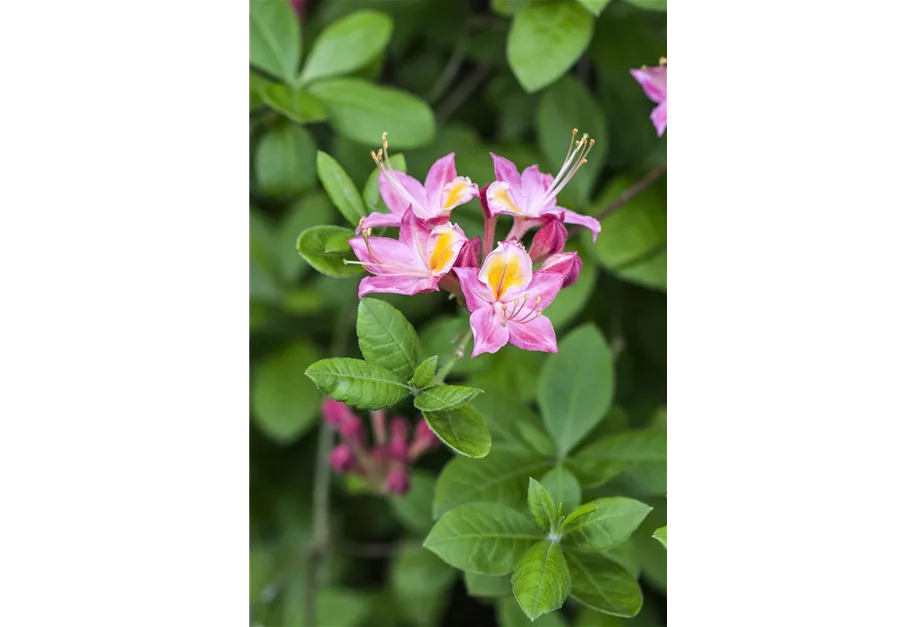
398,445
398,482
424,440
549,240
469,254
342,458
567,264
351,428
482,196
335,412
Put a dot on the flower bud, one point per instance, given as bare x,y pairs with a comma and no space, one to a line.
398,445
335,412
342,458
469,254
549,240
482,196
351,428
567,264
398,482
424,439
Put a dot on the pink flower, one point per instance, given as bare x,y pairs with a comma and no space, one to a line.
469,255
653,82
507,299
398,446
342,459
441,192
413,263
398,482
424,440
532,197
568,265
549,240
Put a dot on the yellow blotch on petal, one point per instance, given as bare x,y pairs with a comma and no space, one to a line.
443,251
456,193
502,195
504,273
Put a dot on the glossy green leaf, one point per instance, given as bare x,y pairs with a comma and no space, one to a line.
256,86
626,555
576,387
509,614
462,429
651,554
297,104
650,5
651,273
661,535
603,585
563,487
361,111
485,538
504,414
372,199
386,337
284,403
347,44
424,372
636,229
273,38
414,509
311,210
611,523
541,580
602,460
340,188
357,383
285,161
545,40
535,439
596,6
541,506
443,397
479,585
326,248
501,477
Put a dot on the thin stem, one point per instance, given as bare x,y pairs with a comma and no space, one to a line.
464,90
458,354
449,71
377,418
632,191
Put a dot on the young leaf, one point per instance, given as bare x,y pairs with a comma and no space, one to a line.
575,387
595,6
372,199
386,337
347,44
462,429
479,585
357,383
660,534
274,42
604,459
542,506
414,509
545,40
613,521
360,111
563,487
285,161
499,478
484,538
443,397
326,248
603,585
340,188
541,580
284,405
424,372
297,104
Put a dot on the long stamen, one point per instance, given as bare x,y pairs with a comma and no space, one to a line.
532,315
384,163
519,306
570,147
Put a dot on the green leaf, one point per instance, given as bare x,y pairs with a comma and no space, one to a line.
660,534
361,111
285,160
604,459
372,199
541,506
340,188
563,487
596,6
501,478
626,556
416,571
651,273
297,104
283,403
568,103
509,614
506,7
603,585
386,337
274,42
326,248
545,40
575,387
541,580
444,397
535,439
651,554
347,44
485,538
414,510
256,86
570,301
357,383
636,229
462,429
611,523
308,211
439,337
423,374
479,585
650,5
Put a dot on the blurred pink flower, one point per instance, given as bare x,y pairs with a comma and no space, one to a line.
653,80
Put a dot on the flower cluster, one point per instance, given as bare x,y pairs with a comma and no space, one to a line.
500,284
653,80
384,466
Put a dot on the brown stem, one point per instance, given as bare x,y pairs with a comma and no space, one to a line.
632,191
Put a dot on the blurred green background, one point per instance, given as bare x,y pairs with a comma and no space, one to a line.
469,77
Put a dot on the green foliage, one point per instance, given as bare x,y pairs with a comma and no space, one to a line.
660,534
541,506
603,585
487,585
611,522
297,104
541,579
461,428
326,248
415,509
348,44
563,487
274,38
285,161
443,397
340,188
386,337
284,405
357,383
424,372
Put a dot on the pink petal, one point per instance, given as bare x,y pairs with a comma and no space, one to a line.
507,271
389,256
489,333
653,81
535,335
395,199
534,183
658,116
477,295
544,285
505,170
413,233
441,173
571,217
406,285
377,219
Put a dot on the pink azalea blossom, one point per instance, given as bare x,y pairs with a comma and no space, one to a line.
568,265
413,263
507,299
653,82
441,192
532,197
